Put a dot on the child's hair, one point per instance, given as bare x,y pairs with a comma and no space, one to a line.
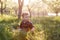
23,14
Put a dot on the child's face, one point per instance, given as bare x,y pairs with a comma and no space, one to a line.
26,17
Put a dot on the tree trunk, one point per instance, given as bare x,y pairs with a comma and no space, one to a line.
20,3
29,10
56,14
38,13
1,8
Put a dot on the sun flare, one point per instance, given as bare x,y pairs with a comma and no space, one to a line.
26,2
15,1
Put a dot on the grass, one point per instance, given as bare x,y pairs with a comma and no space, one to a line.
46,28
6,24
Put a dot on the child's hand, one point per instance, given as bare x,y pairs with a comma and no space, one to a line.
32,29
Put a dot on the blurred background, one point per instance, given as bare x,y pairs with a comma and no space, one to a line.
44,14
36,8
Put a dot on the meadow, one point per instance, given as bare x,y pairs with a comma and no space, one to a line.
46,28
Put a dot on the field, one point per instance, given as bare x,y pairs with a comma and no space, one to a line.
46,28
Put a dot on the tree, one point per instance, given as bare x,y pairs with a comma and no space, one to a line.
54,5
20,3
1,7
29,9
56,10
36,7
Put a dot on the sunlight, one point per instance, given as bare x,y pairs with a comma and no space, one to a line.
15,1
26,2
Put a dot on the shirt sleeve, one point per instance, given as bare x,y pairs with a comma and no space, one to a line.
21,24
31,25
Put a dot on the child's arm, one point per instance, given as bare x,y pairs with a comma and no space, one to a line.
21,24
31,26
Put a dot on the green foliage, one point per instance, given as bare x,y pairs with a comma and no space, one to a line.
53,6
46,28
6,25
51,27
5,33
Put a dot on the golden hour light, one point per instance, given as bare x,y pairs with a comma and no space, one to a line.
26,2
15,1
29,19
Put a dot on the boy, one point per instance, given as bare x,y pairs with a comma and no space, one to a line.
25,26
